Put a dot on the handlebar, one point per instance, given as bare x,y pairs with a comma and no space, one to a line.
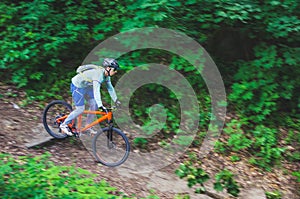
112,108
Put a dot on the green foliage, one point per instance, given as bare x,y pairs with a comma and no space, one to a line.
37,177
235,158
197,176
274,195
36,36
194,176
220,147
293,156
237,140
60,31
141,142
292,137
183,140
254,44
182,196
261,142
224,180
266,145
297,174
152,196
262,85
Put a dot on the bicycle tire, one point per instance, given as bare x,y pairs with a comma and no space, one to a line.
49,120
107,156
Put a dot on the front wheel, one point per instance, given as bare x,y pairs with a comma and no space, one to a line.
110,147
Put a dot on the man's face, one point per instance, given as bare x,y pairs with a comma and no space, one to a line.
110,71
113,71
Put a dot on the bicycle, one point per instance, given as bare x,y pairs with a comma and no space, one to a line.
110,146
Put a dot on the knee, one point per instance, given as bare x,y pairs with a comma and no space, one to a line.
79,109
93,104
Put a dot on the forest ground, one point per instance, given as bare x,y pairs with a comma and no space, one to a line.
19,125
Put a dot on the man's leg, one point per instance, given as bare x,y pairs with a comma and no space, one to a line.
93,107
78,98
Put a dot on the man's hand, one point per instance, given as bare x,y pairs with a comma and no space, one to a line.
102,108
118,103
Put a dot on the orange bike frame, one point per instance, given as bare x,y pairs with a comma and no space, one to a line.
105,116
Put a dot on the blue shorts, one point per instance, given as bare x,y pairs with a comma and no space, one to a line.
78,94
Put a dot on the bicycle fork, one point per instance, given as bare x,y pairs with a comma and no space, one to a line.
110,143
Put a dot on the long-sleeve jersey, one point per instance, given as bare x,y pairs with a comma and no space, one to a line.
94,78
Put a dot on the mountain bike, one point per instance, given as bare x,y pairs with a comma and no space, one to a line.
110,146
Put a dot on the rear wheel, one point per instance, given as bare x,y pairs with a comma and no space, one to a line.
110,149
54,110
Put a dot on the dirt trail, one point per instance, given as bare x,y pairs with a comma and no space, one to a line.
20,125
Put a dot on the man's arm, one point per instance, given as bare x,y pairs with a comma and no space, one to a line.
111,90
97,93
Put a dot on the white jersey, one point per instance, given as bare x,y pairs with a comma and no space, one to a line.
94,78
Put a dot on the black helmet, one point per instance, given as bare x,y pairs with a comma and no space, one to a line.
109,62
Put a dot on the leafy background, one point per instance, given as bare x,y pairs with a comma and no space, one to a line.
255,45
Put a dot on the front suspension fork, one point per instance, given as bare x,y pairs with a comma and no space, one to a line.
110,143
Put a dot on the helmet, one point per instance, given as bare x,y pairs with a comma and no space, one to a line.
109,62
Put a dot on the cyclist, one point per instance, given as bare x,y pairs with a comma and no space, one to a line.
87,83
